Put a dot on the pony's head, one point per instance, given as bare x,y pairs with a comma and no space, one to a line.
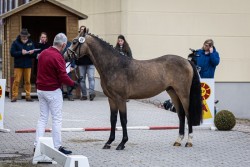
78,46
192,56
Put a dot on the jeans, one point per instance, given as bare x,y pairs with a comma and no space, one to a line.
90,71
69,88
18,72
51,102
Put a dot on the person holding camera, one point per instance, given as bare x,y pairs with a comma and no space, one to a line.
207,59
50,77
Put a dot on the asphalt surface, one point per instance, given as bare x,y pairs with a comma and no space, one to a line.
145,148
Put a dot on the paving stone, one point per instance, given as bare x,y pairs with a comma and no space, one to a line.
145,148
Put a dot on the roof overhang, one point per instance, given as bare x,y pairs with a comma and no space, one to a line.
80,15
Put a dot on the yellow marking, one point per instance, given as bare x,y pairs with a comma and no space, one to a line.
206,111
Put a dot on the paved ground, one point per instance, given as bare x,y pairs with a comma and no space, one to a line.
144,149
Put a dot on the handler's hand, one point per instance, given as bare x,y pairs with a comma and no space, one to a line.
71,69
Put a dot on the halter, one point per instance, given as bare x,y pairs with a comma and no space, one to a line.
71,52
80,41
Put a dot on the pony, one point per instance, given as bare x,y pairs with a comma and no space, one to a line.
124,78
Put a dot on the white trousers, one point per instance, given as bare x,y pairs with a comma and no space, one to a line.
50,102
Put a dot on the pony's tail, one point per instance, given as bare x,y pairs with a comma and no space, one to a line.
195,100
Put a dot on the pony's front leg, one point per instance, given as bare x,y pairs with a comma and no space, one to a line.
123,119
113,120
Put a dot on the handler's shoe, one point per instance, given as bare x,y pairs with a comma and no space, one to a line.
29,99
83,98
62,149
70,98
91,97
14,99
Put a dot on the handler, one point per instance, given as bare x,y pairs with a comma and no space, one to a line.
50,77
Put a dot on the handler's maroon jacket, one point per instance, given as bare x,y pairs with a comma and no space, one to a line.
51,72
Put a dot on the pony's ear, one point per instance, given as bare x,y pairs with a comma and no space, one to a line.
87,30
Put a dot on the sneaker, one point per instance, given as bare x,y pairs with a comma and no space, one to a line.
70,98
64,151
83,98
91,97
14,99
29,99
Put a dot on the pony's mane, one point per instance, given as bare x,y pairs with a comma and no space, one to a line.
105,44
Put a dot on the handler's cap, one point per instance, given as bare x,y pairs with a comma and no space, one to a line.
24,33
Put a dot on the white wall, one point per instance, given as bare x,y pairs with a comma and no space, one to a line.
157,27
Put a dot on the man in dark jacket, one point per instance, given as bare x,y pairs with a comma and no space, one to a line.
41,45
22,49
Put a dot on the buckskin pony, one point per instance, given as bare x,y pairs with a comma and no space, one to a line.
124,78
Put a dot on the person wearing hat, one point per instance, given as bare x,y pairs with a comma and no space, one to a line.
22,49
207,59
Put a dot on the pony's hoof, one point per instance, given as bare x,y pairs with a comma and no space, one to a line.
120,147
177,144
189,144
106,146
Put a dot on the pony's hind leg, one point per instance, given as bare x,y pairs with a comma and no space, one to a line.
190,135
113,120
181,115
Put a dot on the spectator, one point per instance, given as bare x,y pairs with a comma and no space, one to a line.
207,59
50,77
123,47
42,44
22,49
86,67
